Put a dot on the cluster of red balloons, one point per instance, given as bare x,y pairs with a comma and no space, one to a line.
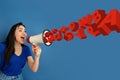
96,23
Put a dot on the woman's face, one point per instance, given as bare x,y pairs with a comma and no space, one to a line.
20,34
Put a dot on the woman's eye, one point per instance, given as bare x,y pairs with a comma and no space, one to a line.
20,30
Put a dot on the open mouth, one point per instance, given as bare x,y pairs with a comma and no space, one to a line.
23,38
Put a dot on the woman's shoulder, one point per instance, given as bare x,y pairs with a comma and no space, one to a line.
27,50
25,46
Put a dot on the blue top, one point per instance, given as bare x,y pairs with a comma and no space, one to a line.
16,62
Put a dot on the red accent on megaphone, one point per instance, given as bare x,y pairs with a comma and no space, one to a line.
28,39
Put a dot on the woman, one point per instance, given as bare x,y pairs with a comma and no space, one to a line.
14,54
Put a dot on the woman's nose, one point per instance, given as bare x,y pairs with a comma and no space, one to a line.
24,33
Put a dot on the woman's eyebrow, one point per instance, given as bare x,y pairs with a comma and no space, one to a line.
21,28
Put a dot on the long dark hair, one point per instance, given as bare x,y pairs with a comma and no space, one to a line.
10,42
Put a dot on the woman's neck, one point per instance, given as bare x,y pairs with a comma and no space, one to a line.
17,45
18,49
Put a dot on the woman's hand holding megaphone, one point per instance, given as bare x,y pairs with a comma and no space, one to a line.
36,50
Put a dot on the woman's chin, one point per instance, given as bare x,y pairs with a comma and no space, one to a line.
21,42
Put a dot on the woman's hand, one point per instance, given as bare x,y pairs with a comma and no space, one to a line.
36,50
34,63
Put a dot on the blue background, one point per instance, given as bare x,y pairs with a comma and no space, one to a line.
94,58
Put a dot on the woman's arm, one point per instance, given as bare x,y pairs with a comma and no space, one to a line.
34,63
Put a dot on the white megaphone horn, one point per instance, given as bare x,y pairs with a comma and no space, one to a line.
37,39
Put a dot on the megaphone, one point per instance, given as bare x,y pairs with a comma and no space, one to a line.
40,38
